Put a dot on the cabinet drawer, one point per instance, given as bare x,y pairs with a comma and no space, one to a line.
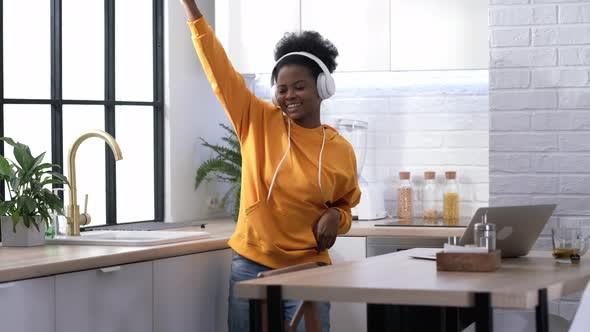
28,305
191,292
116,298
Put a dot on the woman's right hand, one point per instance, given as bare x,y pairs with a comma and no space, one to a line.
326,229
192,11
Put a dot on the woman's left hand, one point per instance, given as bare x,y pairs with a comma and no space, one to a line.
326,229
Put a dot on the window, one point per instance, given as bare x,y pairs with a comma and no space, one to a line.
68,66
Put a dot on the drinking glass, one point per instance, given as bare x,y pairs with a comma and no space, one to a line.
569,244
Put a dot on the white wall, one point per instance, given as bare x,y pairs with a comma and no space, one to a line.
539,108
191,111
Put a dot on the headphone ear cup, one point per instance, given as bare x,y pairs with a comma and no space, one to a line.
330,86
273,94
325,86
321,86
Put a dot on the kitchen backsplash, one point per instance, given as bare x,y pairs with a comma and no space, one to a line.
418,121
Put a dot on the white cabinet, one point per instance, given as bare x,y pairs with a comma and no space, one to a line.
348,317
359,29
28,305
371,35
249,30
111,299
435,35
191,292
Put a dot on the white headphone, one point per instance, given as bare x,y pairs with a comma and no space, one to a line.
325,82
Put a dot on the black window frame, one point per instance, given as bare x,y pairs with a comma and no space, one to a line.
56,100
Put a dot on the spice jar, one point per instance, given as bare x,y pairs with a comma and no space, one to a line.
404,196
429,196
451,198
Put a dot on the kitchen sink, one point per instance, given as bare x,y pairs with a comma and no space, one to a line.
128,238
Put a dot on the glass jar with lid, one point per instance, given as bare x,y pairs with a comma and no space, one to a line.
451,198
429,195
405,197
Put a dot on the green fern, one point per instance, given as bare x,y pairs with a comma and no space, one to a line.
231,139
225,166
225,154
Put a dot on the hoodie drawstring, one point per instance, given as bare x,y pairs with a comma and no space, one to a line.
274,177
320,158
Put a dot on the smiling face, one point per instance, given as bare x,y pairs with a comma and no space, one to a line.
297,95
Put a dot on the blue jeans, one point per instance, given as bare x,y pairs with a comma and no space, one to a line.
238,319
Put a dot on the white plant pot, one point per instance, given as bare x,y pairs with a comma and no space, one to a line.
24,237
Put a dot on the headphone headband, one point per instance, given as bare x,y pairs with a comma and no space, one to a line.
308,55
325,81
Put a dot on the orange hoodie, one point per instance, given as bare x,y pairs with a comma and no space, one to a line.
290,174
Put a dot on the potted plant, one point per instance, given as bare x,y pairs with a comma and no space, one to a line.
29,204
225,166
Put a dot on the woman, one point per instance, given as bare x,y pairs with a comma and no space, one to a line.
299,178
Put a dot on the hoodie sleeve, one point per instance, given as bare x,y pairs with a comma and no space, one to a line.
344,205
228,85
349,199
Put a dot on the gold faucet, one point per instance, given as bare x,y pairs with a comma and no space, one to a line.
73,210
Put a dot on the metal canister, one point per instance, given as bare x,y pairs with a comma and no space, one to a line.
484,235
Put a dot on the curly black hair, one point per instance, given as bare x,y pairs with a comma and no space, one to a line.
305,41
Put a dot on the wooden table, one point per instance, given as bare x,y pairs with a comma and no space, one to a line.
400,280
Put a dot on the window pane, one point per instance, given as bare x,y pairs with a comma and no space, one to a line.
134,50
27,56
90,160
135,172
36,134
83,49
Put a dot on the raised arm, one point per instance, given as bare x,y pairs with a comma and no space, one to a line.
228,85
190,8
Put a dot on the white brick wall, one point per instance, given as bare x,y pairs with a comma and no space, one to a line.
540,111
540,107
421,121
554,78
522,57
574,13
510,37
574,56
505,79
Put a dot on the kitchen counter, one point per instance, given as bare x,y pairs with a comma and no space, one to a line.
368,228
24,263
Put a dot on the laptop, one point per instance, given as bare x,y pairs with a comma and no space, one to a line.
517,227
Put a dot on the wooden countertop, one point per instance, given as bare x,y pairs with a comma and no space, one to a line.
24,263
398,278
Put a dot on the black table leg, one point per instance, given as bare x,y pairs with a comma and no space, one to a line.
255,316
484,320
274,302
450,317
377,317
542,311
403,318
